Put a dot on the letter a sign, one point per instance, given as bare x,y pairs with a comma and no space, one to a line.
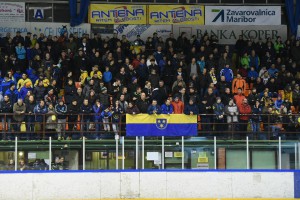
38,13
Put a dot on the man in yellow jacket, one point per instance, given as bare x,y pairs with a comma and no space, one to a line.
23,81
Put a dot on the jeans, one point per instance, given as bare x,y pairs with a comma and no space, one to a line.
255,127
115,127
106,124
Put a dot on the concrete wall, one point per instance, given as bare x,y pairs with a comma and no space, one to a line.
105,185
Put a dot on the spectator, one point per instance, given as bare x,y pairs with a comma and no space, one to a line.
191,108
117,112
51,121
6,108
227,73
132,108
23,81
12,93
85,109
61,111
237,83
97,108
73,111
255,121
178,105
219,111
106,115
70,92
50,97
239,97
142,103
245,111
232,113
167,108
22,165
30,119
19,109
154,108
104,97
40,110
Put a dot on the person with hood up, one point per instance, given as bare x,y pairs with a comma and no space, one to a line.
231,111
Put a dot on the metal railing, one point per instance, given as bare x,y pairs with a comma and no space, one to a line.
144,153
41,126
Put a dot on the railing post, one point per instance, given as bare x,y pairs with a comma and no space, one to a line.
44,126
123,153
117,151
50,152
296,158
143,152
215,151
163,152
16,153
182,152
269,128
279,153
247,149
136,152
83,153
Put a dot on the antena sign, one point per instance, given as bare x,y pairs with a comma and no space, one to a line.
117,14
242,15
170,14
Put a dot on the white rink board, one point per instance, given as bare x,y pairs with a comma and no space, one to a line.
104,185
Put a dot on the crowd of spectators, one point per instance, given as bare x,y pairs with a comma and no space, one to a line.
101,79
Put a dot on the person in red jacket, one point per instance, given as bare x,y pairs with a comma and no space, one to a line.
239,97
245,111
177,105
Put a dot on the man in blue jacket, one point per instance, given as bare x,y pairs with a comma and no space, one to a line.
228,73
40,110
154,108
12,93
167,108
191,108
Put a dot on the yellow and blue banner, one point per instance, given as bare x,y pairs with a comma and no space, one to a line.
117,14
161,125
176,14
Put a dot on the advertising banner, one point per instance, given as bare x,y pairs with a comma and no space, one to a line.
12,11
242,15
230,34
53,29
176,14
117,14
131,31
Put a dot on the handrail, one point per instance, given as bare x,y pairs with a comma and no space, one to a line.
41,126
